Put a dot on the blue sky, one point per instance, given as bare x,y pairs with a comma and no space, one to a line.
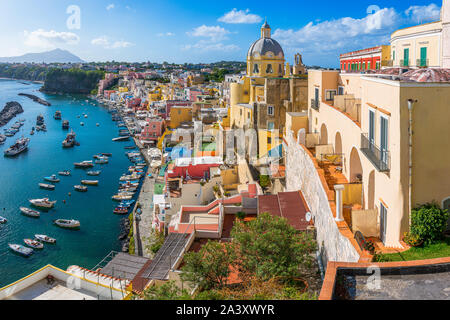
203,31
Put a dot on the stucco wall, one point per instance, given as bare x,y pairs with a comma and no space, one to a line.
302,175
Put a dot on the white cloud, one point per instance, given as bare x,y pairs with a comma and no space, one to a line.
166,34
241,16
208,46
107,44
110,6
214,33
422,14
49,39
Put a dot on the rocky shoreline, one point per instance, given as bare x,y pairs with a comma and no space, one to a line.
10,110
36,99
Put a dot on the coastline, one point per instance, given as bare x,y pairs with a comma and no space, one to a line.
14,79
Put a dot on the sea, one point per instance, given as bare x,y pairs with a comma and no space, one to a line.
20,176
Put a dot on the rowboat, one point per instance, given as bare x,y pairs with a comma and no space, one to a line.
81,188
42,203
3,220
64,173
121,210
30,213
84,164
120,197
44,238
125,138
90,182
47,186
33,244
94,173
68,224
21,249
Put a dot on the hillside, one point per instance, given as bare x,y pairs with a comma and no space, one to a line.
53,56
71,81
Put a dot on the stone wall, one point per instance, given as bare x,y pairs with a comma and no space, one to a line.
301,174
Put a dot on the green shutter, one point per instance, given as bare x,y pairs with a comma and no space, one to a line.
423,57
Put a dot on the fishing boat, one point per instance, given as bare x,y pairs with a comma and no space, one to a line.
20,146
70,141
90,182
84,164
68,224
120,197
65,125
80,188
53,178
30,213
40,120
43,203
32,131
125,138
130,148
21,249
3,220
64,173
107,154
101,161
44,238
47,186
121,210
57,115
94,173
33,244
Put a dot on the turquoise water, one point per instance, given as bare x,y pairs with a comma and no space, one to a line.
20,176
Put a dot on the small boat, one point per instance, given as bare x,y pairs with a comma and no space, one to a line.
52,178
68,224
57,115
30,213
33,244
81,123
124,138
64,173
81,188
84,164
47,186
43,203
94,173
65,125
20,146
3,220
101,161
2,138
21,249
44,238
120,197
121,210
97,124
70,141
90,182
107,154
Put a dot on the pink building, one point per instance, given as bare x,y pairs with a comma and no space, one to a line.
152,131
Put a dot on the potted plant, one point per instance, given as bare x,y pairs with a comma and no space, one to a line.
369,246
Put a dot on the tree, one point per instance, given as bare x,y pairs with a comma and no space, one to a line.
429,222
268,247
167,291
209,268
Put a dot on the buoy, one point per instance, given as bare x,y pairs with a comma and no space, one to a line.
70,194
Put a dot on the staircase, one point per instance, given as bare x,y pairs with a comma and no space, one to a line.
93,276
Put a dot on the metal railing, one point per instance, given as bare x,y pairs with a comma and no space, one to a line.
381,159
315,104
422,63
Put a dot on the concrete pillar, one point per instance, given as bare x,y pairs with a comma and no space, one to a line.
339,205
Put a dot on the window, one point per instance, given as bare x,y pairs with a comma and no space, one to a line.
371,127
384,139
270,110
393,55
341,91
269,68
240,112
383,222
280,69
256,68
329,95
269,140
423,57
270,125
248,115
406,57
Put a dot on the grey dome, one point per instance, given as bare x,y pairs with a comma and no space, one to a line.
264,45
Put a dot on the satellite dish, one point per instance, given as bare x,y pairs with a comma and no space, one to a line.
308,216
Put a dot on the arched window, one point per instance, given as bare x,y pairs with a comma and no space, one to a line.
269,68
256,68
280,69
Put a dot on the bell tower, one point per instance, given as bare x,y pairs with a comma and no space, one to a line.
266,30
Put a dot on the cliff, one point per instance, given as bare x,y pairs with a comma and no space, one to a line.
71,81
10,110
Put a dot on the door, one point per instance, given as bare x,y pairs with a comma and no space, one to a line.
384,139
371,128
383,219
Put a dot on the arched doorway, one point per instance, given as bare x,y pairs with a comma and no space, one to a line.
356,172
371,191
338,144
323,135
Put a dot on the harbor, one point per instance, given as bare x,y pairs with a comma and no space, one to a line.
23,175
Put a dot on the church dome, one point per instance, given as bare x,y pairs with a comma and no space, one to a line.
264,45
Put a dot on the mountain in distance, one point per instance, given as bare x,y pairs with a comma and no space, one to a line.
53,56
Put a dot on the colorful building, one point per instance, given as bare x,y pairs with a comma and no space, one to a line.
366,59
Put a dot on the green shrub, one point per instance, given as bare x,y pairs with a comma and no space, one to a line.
241,215
131,248
412,239
428,222
264,181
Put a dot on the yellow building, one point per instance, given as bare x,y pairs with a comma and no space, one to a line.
123,89
154,95
426,45
178,115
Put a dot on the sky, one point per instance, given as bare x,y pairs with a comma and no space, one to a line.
206,31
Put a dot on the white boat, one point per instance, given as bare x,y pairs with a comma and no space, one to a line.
125,138
119,197
43,203
81,188
44,238
3,220
84,164
69,224
21,249
20,146
30,213
47,186
64,173
52,178
33,244
94,173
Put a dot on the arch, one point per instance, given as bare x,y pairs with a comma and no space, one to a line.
323,135
371,191
356,171
338,143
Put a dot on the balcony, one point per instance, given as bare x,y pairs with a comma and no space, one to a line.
423,63
381,159
315,104
404,63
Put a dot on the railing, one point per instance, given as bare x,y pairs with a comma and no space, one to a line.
423,63
315,104
360,240
381,159
335,158
404,63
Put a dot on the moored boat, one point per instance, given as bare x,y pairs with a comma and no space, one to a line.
21,249
70,141
80,188
65,125
84,164
90,182
64,173
43,203
94,173
121,210
45,238
33,244
120,197
57,115
124,138
68,224
47,186
20,146
30,213
3,220
53,178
